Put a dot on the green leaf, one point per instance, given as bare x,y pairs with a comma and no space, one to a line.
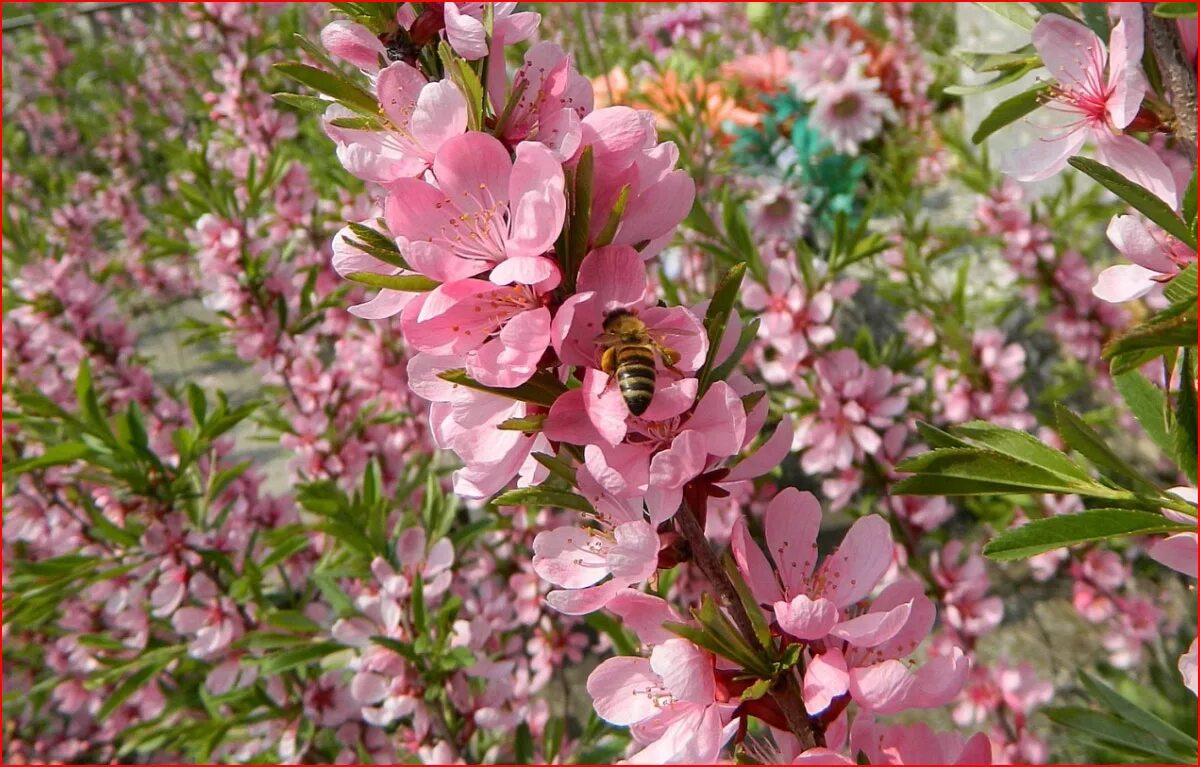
1174,10
557,467
302,102
1148,405
1185,417
1022,446
409,283
1156,336
300,656
1137,715
1182,286
542,389
1004,78
1082,438
716,318
523,744
1189,202
1111,732
418,605
606,624
57,455
332,85
1009,111
614,218
749,332
998,62
292,620
530,424
132,684
1014,12
1138,196
980,471
543,496
1095,15
1041,535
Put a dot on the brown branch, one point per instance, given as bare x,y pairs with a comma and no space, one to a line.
1178,76
788,696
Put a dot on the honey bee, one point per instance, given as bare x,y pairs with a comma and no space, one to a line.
629,356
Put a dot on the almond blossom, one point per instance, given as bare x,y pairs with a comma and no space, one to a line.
1100,89
483,207
419,117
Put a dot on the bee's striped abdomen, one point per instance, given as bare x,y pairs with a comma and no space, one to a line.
635,377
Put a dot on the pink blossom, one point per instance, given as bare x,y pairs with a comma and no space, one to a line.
1187,667
419,117
822,603
668,700
1156,257
855,402
552,102
1100,88
916,744
466,34
503,331
626,152
213,627
577,559
353,43
486,208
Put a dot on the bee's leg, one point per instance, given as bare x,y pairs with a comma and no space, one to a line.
669,358
608,361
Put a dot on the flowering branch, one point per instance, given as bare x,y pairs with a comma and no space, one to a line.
1178,75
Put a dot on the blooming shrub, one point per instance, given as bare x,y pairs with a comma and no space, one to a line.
476,382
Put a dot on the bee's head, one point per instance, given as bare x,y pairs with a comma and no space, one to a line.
615,320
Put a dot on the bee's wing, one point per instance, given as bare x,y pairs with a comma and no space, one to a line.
677,332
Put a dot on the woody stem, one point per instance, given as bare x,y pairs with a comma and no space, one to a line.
1178,76
787,697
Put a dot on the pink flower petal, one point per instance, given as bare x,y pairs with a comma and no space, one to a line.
873,628
792,521
568,557
824,679
618,689
860,561
686,670
805,618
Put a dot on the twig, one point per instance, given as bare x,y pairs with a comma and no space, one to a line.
788,697
1178,76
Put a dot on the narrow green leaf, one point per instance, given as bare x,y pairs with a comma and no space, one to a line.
1175,10
994,469
542,389
611,627
1014,12
1095,15
1186,417
749,332
543,496
1136,714
531,424
1153,337
1182,286
1009,111
1113,733
1083,439
302,102
1023,447
1148,405
333,85
1141,198
614,218
717,317
998,62
132,684
557,467
299,656
57,455
409,283
418,605
1004,78
1041,535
